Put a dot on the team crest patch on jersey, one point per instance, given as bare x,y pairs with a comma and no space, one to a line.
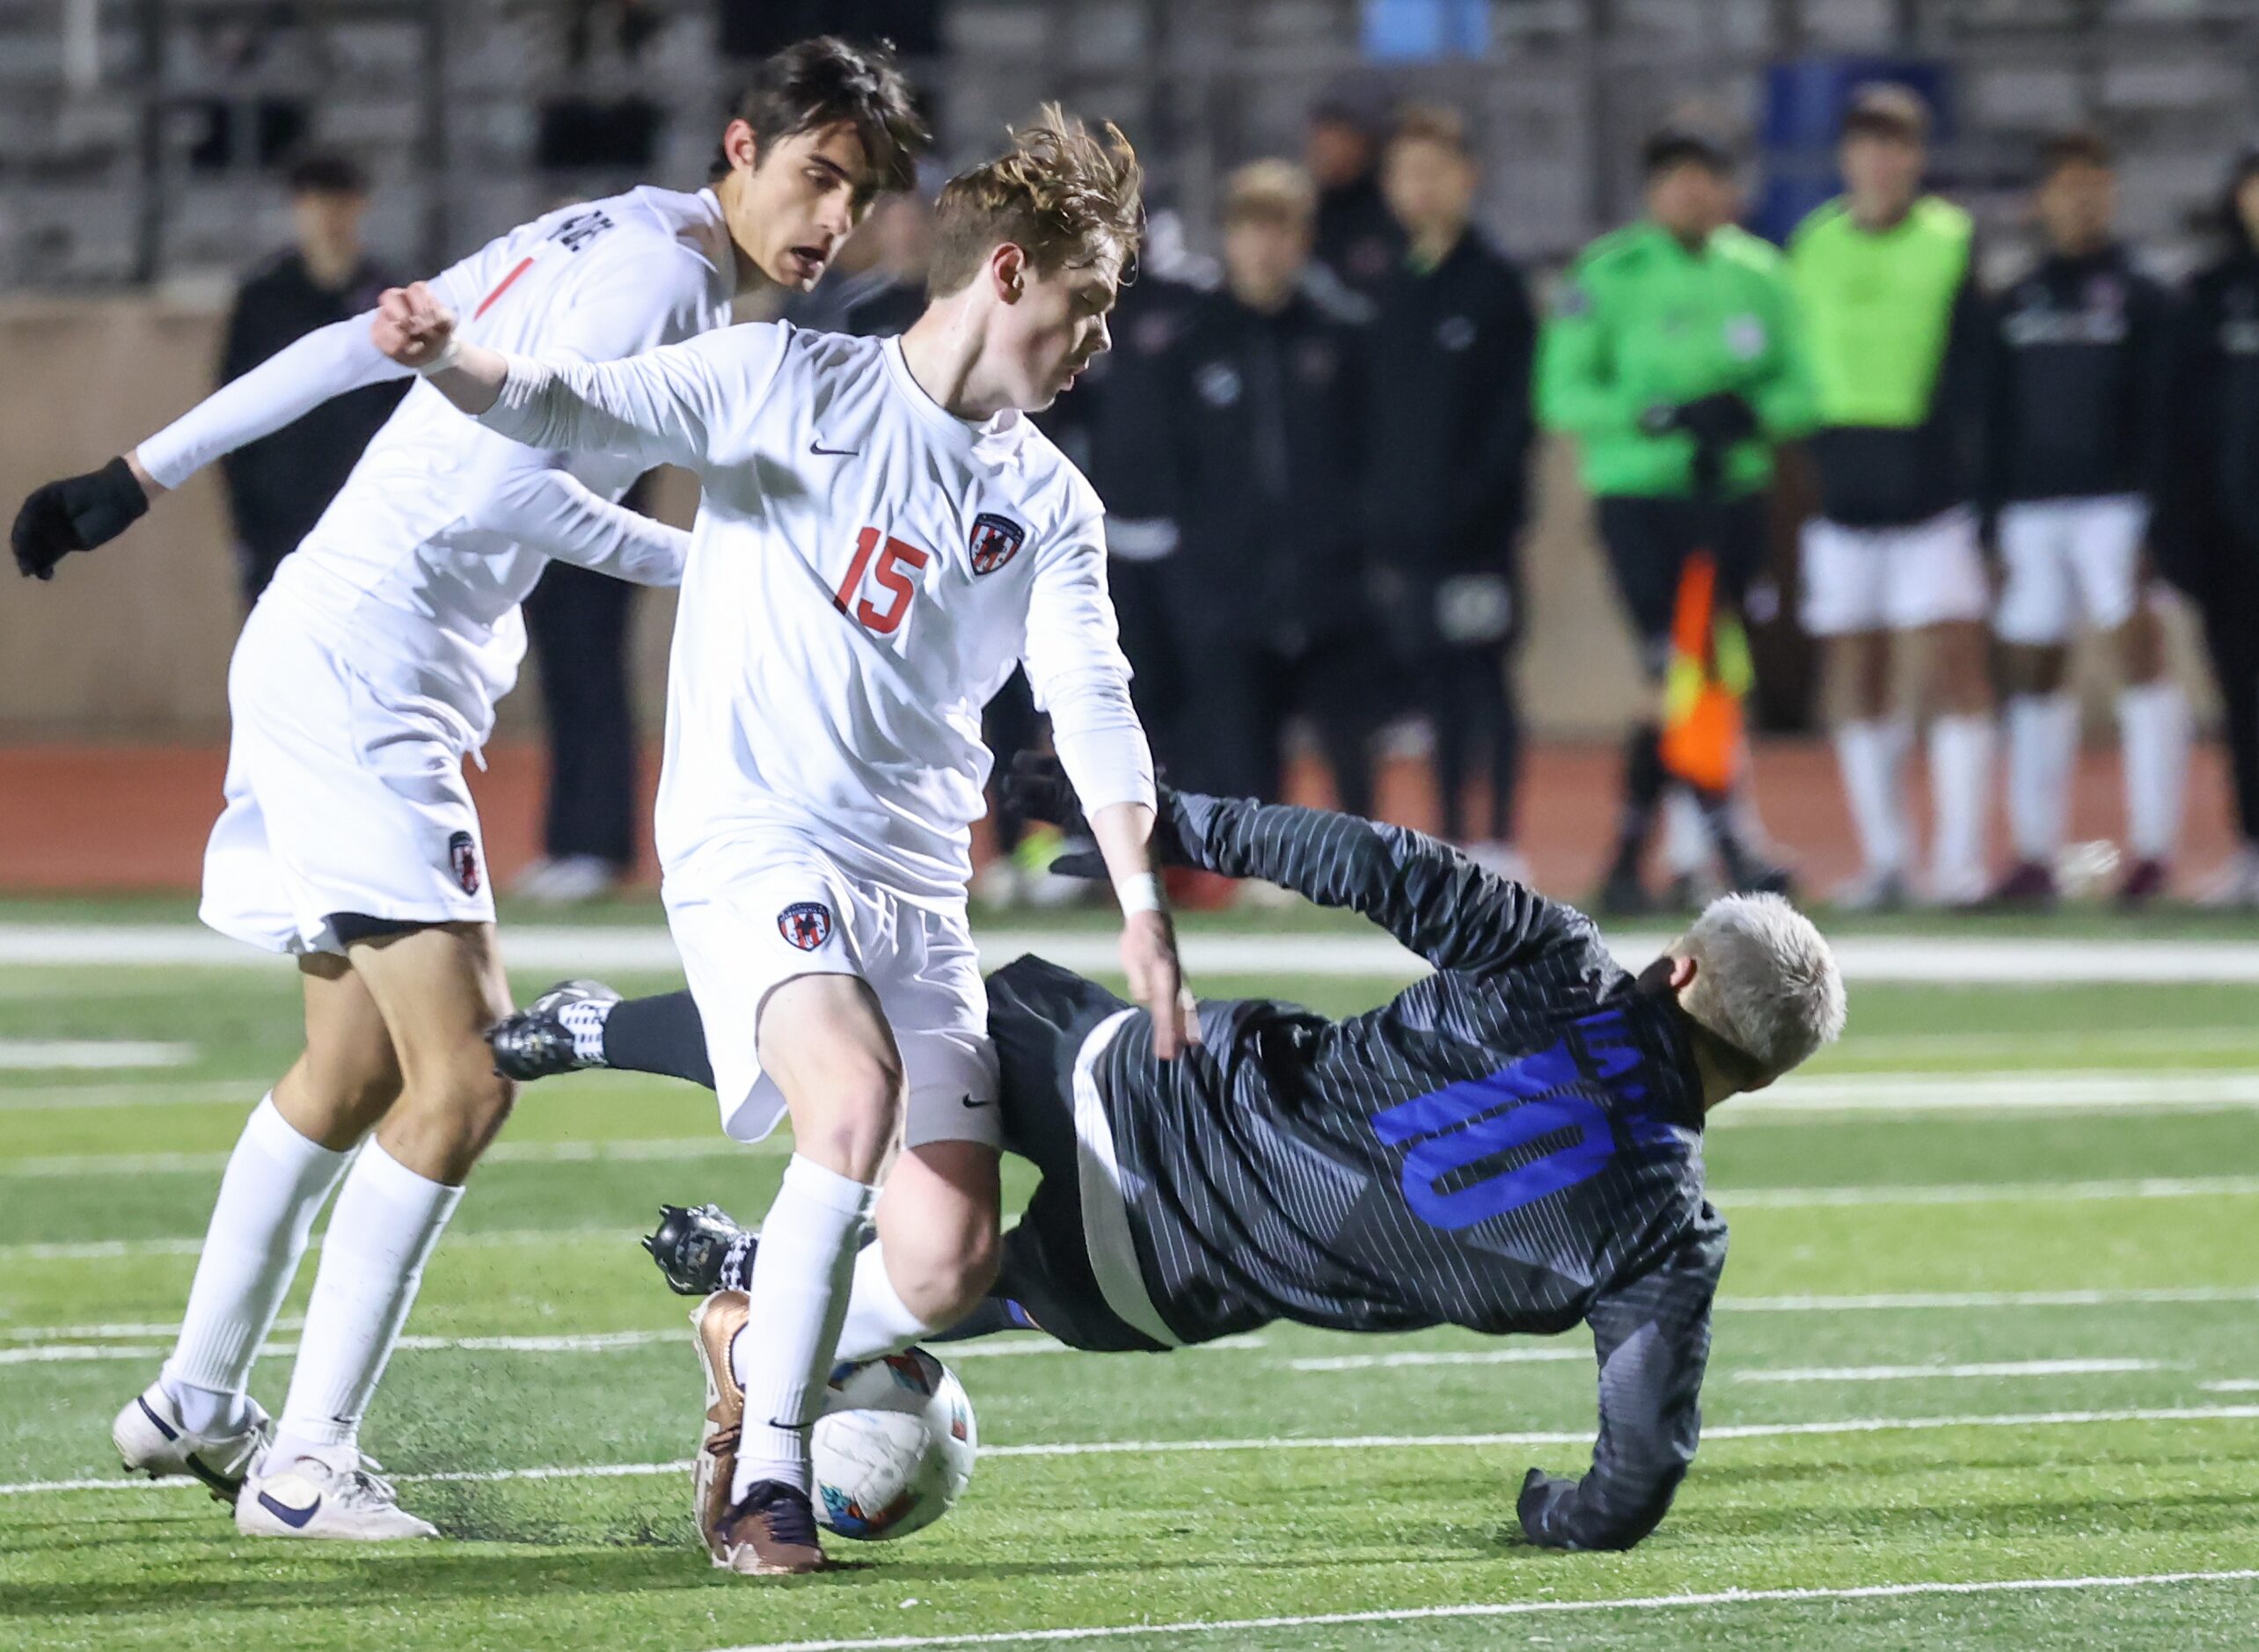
805,924
996,541
462,856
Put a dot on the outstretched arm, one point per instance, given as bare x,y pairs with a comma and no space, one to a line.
1653,1338
658,408
1428,895
79,513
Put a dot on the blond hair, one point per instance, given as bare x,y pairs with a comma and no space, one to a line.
1765,982
1270,191
1064,195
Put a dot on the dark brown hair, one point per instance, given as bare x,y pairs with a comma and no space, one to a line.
2081,146
825,80
1064,194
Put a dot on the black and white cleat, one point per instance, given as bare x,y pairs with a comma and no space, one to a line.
538,1041
701,1250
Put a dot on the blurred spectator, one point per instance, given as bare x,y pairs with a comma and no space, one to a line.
1266,587
1671,357
576,624
1885,285
2073,435
1357,240
1447,433
278,487
2208,533
1130,414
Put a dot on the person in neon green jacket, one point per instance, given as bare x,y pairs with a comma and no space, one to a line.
1893,323
1672,358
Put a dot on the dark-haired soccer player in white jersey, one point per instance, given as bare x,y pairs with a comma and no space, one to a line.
367,673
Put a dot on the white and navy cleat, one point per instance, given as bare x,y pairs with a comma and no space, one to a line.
338,1494
153,1440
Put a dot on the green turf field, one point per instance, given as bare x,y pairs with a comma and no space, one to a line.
1986,1374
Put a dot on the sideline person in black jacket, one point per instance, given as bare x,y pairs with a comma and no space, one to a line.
2207,533
1448,429
2073,442
279,486
1267,585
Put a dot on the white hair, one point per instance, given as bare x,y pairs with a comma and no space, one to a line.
1765,980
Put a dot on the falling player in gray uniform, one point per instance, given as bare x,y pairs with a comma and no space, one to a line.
1512,1144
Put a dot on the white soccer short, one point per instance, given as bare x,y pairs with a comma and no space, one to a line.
1893,579
2069,560
341,797
787,909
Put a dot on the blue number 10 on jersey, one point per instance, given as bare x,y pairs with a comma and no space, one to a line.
1454,1129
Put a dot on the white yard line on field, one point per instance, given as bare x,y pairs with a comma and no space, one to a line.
1499,1609
660,1149
583,950
1883,1302
1728,1198
1469,1356
1292,1443
67,1098
1987,1193
2233,1385
110,1250
2088,1090
1910,1373
41,1055
1925,1301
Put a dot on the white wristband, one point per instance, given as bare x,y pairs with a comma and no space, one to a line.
1140,891
449,353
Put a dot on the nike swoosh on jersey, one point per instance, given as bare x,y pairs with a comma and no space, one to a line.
817,446
968,1101
295,1518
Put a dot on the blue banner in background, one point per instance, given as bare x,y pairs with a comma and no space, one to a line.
1415,31
1804,102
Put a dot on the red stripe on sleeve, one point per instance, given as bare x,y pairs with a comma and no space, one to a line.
501,286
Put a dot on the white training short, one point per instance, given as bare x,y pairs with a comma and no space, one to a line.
1893,579
787,909
341,797
2069,560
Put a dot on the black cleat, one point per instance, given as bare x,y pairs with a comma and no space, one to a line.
535,1043
700,1251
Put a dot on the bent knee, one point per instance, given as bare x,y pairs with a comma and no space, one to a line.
942,1283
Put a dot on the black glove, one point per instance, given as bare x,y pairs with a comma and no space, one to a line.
75,514
1716,421
1037,788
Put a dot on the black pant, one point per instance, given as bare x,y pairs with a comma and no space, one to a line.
1469,699
1240,693
1039,1015
2231,611
1649,541
577,624
1141,603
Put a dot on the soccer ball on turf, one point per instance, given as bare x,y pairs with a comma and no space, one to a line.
894,1448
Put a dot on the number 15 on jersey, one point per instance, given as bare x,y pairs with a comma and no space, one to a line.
892,577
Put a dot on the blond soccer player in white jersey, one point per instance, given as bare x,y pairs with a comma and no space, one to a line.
884,536
366,673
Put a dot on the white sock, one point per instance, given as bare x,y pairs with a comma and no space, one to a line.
1870,753
798,1292
2043,755
275,1182
878,1322
1687,845
386,1222
2153,727
1960,781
